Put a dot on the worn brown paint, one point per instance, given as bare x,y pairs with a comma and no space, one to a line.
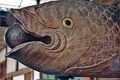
41,40
109,2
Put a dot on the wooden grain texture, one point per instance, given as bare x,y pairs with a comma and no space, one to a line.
67,37
109,2
3,69
28,76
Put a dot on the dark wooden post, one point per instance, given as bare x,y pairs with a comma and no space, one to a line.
38,1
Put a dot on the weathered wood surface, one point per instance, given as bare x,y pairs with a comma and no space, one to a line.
109,2
67,37
28,76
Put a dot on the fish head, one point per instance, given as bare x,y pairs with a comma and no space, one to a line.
49,37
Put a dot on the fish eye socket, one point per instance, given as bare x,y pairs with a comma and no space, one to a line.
68,23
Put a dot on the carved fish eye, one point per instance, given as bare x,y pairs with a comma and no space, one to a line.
68,23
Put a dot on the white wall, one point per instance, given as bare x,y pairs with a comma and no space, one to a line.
20,77
11,65
2,55
21,66
36,75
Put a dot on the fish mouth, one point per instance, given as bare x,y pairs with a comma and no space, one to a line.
15,36
17,39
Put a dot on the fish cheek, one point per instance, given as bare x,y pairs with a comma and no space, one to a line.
28,52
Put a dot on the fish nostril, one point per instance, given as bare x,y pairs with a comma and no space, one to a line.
15,36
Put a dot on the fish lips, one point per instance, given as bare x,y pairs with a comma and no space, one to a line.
23,44
25,49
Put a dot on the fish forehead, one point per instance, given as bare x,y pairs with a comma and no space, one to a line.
54,12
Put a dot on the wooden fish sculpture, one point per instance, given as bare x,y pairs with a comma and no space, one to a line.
67,38
108,2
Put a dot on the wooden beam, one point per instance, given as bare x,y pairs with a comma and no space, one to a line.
20,72
28,76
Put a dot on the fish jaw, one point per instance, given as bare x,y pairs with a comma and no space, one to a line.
28,56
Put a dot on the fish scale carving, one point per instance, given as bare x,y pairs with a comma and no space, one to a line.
105,37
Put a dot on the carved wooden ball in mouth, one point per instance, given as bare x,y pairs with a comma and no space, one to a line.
15,36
